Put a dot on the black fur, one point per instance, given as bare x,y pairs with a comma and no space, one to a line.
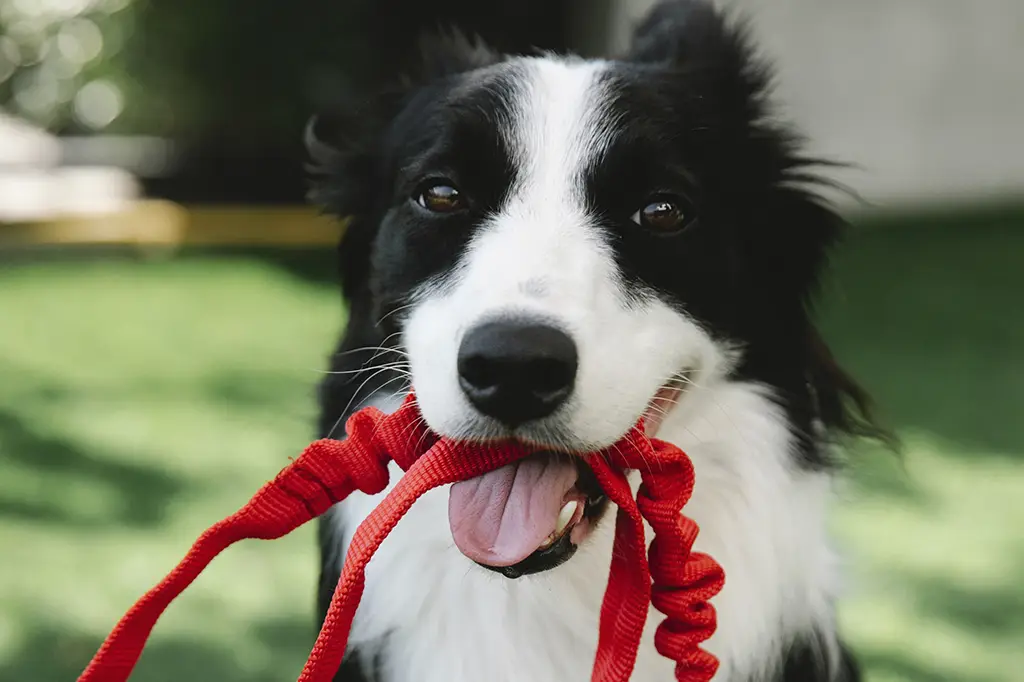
691,97
696,97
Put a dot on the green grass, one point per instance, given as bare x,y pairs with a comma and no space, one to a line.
141,400
930,316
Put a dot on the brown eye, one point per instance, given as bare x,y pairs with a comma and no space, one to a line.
664,214
440,197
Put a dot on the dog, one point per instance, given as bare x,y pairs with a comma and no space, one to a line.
549,249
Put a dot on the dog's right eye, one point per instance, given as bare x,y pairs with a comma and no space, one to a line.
440,196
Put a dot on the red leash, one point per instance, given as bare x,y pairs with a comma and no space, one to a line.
329,470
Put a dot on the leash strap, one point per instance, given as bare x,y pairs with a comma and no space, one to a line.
330,470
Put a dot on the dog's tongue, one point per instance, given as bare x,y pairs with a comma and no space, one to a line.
500,518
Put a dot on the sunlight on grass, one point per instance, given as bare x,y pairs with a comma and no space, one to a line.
937,592
926,315
140,403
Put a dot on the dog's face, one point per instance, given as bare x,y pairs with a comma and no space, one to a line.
565,247
553,240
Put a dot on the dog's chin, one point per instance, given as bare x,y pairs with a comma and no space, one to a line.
585,504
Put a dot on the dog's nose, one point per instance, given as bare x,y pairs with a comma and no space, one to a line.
517,371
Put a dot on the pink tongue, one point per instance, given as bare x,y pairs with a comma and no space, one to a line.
500,518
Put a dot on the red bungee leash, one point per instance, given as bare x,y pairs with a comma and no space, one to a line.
329,470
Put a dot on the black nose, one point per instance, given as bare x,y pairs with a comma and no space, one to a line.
516,371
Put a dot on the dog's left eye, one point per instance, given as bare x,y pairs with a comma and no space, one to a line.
440,196
664,214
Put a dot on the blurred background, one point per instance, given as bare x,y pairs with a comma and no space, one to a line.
167,303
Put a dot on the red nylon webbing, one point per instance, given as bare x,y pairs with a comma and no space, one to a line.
330,470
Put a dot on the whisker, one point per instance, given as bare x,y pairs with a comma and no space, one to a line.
397,365
404,406
401,407
393,312
400,353
355,395
364,349
423,436
663,411
683,377
380,347
346,412
408,430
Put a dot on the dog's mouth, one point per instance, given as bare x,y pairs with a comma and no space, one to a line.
526,517
532,515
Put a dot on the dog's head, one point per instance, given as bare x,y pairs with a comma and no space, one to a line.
559,248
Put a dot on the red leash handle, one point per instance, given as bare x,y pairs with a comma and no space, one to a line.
683,581
328,471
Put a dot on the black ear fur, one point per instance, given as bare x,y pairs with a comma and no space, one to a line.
695,38
447,52
679,31
344,142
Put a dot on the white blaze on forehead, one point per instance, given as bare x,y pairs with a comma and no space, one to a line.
543,233
560,126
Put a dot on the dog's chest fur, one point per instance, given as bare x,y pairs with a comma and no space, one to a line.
430,615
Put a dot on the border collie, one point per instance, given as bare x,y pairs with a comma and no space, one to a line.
550,249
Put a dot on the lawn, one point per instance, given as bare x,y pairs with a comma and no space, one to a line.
142,399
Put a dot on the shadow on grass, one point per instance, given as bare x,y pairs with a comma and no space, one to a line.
922,312
877,473
989,612
897,666
145,491
53,653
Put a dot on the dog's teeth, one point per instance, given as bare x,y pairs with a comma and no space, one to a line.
565,516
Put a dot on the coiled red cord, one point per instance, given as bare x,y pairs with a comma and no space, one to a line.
329,470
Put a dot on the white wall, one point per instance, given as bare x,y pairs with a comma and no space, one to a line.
926,96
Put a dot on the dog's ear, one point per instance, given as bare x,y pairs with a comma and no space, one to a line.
696,38
341,146
681,32
447,52
346,176
345,144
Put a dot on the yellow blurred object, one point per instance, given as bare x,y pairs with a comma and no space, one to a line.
164,223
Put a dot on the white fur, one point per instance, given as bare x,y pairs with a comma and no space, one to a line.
435,615
444,619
